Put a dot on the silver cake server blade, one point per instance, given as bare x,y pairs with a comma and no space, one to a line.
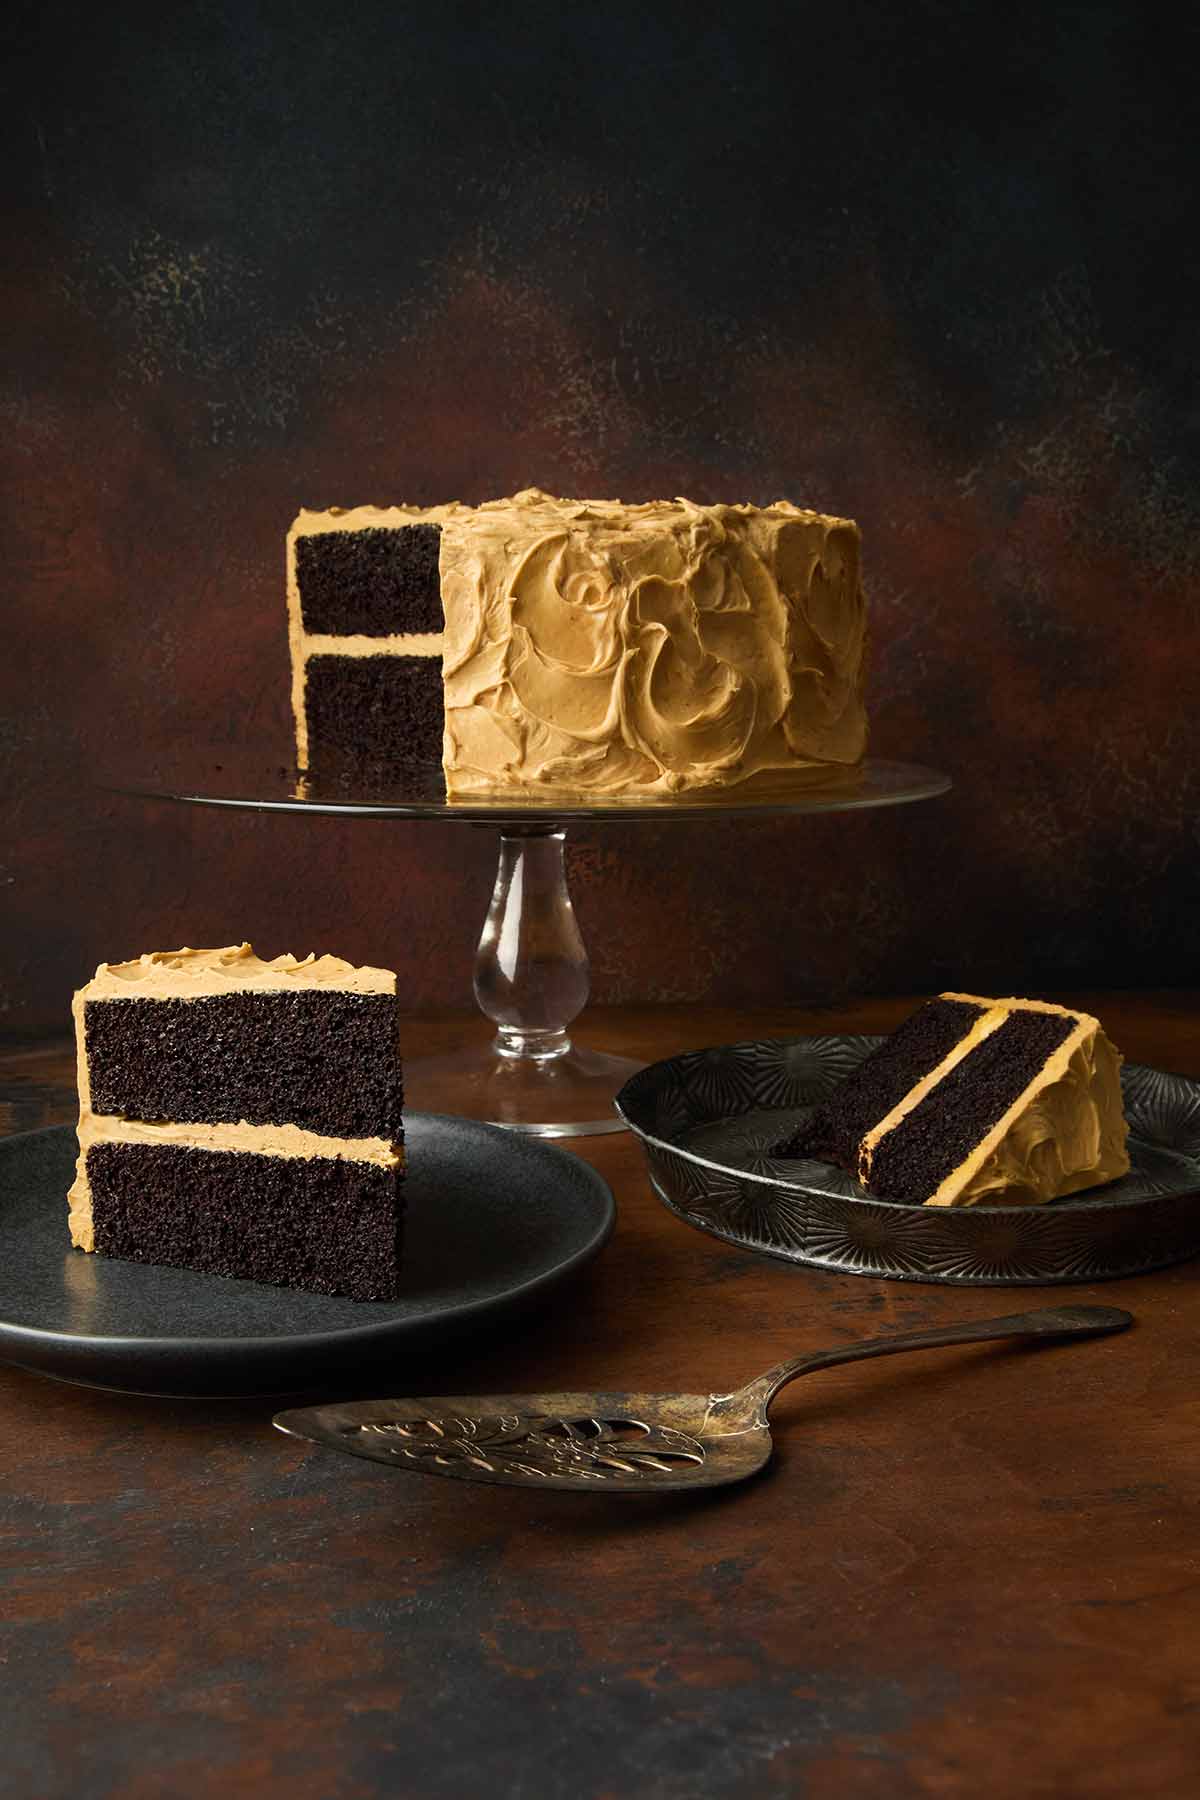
626,1442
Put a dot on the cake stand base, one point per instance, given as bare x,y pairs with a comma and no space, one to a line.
569,1095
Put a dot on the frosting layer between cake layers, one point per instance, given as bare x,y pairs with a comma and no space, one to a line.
604,649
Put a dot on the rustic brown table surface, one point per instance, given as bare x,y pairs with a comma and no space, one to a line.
969,1573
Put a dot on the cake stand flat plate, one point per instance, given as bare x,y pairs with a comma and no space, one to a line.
494,1222
707,1121
240,777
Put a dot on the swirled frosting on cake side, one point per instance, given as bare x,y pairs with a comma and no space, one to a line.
1071,1133
603,649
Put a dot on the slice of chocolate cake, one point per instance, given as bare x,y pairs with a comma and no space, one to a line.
242,1118
970,1101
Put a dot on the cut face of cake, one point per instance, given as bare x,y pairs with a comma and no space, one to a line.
577,647
974,1101
365,631
242,1118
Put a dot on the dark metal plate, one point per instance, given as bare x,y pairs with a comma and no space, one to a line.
494,1222
707,1121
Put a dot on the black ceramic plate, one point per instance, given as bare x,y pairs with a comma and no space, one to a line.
494,1221
708,1120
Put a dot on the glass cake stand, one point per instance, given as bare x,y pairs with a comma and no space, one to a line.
531,967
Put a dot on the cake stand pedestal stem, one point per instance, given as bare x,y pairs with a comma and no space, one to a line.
531,969
531,980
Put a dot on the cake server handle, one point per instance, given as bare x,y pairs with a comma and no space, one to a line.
1047,1322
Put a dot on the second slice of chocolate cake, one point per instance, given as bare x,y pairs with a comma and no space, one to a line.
242,1118
975,1101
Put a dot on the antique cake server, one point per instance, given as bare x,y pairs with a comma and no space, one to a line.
628,1443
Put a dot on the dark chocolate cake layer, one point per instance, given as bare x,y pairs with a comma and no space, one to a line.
379,581
913,1159
914,1050
377,712
323,1059
329,1226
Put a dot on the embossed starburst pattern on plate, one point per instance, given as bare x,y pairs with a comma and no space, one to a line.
803,1072
1163,1109
718,1083
753,1215
1155,1170
673,1111
862,1236
747,1143
728,1106
1009,1245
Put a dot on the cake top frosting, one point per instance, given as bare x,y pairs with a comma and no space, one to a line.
532,509
190,974
1012,1003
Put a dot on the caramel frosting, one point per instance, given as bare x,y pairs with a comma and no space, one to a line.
1065,1132
602,649
198,974
189,974
599,648
308,523
1069,1135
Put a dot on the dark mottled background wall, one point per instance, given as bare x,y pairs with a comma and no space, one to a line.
929,265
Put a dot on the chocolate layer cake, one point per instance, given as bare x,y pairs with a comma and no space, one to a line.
977,1101
577,647
243,1118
